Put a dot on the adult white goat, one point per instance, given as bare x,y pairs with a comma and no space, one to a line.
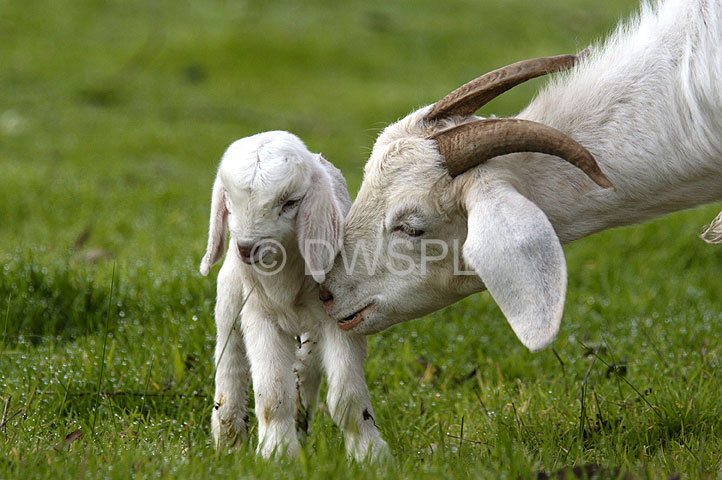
284,206
647,106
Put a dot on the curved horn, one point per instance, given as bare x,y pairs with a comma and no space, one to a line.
470,144
471,96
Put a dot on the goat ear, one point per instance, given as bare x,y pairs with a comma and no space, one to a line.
217,229
338,182
513,247
320,224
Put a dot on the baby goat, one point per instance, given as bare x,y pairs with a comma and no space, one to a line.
284,207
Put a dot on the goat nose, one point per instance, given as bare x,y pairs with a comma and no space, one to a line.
324,295
245,250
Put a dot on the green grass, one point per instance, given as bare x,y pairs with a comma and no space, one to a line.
113,116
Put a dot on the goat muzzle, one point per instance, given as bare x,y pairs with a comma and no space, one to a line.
324,294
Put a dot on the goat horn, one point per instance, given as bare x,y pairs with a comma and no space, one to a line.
467,145
471,96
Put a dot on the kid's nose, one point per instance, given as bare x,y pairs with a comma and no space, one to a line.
245,250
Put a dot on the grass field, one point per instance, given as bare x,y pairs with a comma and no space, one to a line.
113,116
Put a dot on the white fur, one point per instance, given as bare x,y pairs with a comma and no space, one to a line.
648,105
284,339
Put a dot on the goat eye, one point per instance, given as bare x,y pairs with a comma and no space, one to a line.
289,205
409,230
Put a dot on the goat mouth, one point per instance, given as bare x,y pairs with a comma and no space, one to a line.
249,260
348,323
258,255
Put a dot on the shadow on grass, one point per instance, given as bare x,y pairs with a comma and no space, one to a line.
41,301
63,300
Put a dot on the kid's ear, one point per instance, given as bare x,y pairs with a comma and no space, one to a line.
320,225
218,228
513,247
338,182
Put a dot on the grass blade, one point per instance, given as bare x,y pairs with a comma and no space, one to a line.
105,344
7,317
147,382
235,323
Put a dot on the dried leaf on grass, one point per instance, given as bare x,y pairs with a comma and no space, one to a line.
70,438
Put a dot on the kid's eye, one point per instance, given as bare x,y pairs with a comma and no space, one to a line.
289,205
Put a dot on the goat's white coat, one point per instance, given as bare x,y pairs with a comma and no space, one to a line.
256,177
648,105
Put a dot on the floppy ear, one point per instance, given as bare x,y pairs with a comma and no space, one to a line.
320,222
513,247
217,229
338,182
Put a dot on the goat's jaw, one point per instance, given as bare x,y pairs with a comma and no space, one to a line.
375,317
352,321
365,320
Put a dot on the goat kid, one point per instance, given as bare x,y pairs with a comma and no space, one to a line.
284,208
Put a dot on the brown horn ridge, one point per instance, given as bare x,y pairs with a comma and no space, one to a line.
467,145
471,96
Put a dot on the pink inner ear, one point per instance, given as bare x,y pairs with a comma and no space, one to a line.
319,222
217,229
221,216
306,216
